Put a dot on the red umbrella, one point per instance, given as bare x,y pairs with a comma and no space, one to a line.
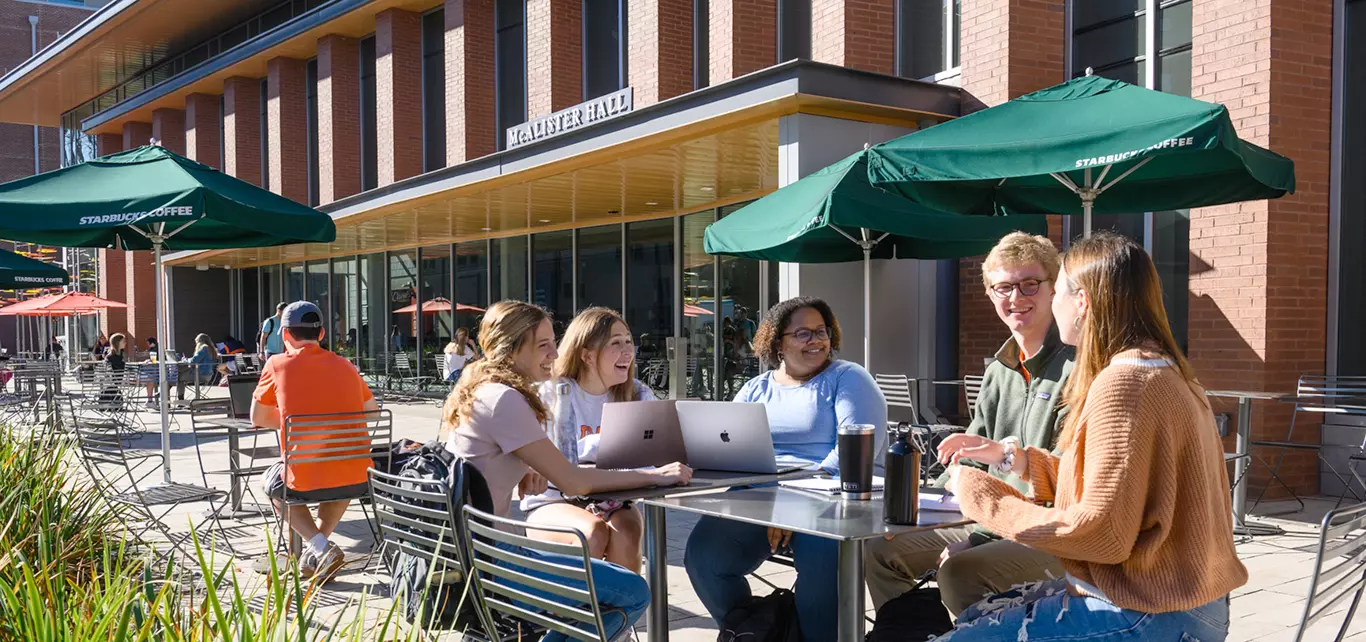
439,304
690,310
60,305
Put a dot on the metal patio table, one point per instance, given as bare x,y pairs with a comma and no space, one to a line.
848,522
236,429
1243,448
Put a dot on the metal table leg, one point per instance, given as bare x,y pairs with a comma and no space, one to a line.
657,573
850,583
1241,465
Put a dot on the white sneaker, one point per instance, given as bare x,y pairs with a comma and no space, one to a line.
322,566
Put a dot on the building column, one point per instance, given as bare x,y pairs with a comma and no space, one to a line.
106,144
338,118
287,119
136,134
742,36
203,140
168,127
1009,49
554,56
659,62
859,34
242,128
140,292
398,90
471,113
1258,312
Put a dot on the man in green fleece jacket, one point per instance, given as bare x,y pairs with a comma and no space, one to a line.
1019,401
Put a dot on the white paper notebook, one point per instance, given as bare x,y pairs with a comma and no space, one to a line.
824,484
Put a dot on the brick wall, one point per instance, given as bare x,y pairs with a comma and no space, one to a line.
554,56
471,118
1258,315
136,134
338,118
168,127
398,87
287,116
660,55
860,34
141,297
1009,48
742,37
242,129
203,117
113,285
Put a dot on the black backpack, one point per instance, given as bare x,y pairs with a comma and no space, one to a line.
447,601
772,618
917,614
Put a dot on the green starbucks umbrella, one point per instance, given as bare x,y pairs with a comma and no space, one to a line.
1059,149
21,272
834,216
152,199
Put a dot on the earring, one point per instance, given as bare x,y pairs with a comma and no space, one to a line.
1076,323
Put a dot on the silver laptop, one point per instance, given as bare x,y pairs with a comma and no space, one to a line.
636,434
726,435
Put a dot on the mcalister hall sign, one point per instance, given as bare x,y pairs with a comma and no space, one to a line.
570,118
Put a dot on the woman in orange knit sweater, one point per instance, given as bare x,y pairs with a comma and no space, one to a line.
1140,513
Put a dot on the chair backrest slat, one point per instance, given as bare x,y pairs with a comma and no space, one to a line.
512,578
517,540
1339,568
896,388
538,619
972,388
360,431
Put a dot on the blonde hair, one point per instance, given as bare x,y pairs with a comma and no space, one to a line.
1019,249
590,332
507,326
1126,312
457,343
202,339
118,341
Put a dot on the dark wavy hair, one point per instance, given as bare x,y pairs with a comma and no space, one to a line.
768,340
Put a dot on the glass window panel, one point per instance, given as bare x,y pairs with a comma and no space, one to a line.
373,294
1176,27
369,176
794,29
294,283
1105,46
402,294
699,307
471,282
250,312
920,38
1090,12
508,268
650,296
271,294
740,306
434,90
510,45
438,325
1171,255
955,30
602,50
1351,348
553,276
701,43
1134,73
318,291
344,329
600,267
311,89
1175,73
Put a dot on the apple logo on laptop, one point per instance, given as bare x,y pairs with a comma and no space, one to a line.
725,437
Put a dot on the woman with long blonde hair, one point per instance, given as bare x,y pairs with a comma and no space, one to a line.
596,366
496,420
460,351
1140,515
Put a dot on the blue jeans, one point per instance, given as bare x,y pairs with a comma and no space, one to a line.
1043,611
721,552
623,595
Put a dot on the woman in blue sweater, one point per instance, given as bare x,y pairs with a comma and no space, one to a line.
808,395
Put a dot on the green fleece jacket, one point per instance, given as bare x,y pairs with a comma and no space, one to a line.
1010,406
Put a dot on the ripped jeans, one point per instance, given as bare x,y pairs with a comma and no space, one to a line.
1046,611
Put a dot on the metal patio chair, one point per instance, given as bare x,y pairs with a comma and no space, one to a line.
403,377
1339,570
1321,395
972,388
238,472
500,562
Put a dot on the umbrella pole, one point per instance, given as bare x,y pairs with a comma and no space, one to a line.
867,299
1087,202
161,360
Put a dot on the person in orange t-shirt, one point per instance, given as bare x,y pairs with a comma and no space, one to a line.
308,380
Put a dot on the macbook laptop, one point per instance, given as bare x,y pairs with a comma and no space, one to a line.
240,390
729,436
636,434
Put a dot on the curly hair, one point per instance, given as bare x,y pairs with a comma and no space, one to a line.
506,327
768,340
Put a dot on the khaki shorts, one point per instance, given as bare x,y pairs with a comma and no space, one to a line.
273,483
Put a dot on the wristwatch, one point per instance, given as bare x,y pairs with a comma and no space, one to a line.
1008,463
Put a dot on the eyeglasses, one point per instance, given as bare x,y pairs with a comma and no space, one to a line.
1027,287
805,335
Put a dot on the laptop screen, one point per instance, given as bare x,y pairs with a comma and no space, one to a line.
240,390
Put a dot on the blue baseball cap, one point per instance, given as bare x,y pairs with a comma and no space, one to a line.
301,314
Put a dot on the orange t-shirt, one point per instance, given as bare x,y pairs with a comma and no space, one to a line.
311,381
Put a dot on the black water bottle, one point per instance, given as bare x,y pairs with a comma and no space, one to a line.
901,490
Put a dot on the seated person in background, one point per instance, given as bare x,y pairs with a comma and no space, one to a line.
495,419
307,380
115,357
1141,516
596,365
101,346
1019,402
232,346
458,352
808,395
205,359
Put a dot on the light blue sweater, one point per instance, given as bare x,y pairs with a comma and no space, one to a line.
804,419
